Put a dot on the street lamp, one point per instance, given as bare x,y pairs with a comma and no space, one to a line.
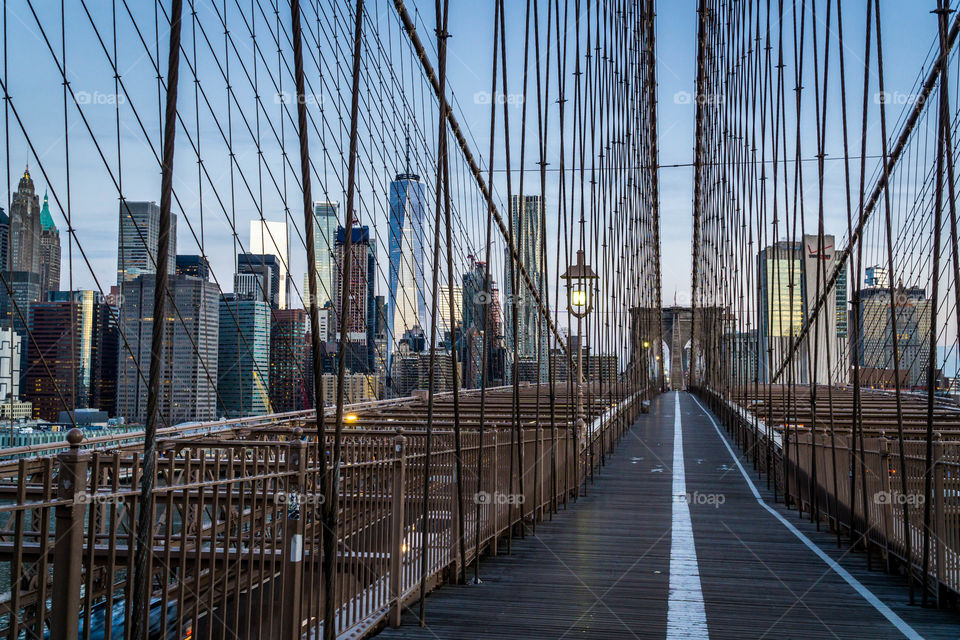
579,279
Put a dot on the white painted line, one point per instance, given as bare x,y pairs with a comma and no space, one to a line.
877,604
686,616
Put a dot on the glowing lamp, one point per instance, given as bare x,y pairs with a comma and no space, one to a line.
579,279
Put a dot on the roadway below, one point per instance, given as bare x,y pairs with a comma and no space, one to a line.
677,540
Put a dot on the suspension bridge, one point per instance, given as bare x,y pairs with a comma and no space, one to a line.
473,416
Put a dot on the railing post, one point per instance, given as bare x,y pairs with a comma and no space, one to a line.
884,448
458,560
939,503
396,527
292,618
538,492
68,545
492,509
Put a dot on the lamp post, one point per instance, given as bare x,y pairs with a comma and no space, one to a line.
646,365
579,279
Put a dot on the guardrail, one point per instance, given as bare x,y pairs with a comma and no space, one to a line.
237,539
858,488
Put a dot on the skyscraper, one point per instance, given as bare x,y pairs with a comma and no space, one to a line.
876,277
270,276
360,289
25,227
472,358
4,242
913,318
49,251
822,340
527,213
372,306
443,307
189,370
193,265
243,356
73,356
474,294
325,225
288,360
24,262
481,309
269,238
405,279
10,352
780,274
380,337
139,238
842,363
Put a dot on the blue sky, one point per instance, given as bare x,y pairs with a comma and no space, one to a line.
909,30
35,87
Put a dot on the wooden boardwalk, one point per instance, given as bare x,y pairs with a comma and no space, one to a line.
602,569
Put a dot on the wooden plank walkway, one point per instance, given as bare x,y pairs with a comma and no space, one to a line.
602,568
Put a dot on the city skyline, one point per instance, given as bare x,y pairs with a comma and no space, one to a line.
245,360
225,351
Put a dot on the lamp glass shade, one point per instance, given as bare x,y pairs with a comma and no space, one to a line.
578,298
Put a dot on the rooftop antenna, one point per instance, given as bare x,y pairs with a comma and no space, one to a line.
407,164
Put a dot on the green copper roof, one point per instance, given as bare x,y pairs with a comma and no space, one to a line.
46,220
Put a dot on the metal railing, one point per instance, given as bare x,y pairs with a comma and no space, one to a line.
237,534
858,488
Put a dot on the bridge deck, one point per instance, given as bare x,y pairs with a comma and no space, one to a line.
603,569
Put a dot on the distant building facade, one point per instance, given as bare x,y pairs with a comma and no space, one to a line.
527,214
912,314
269,238
49,251
190,351
359,334
139,239
243,360
326,221
193,265
406,283
24,276
10,359
72,361
357,387
270,276
289,340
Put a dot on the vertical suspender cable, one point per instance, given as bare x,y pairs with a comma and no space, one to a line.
487,299
144,538
944,122
891,286
444,169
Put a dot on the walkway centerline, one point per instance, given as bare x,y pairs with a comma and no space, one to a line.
686,616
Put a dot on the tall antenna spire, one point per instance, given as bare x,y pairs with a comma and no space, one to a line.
407,164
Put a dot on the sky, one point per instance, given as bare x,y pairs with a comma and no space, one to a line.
250,186
909,29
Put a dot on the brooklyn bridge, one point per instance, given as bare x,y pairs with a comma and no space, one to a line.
344,318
